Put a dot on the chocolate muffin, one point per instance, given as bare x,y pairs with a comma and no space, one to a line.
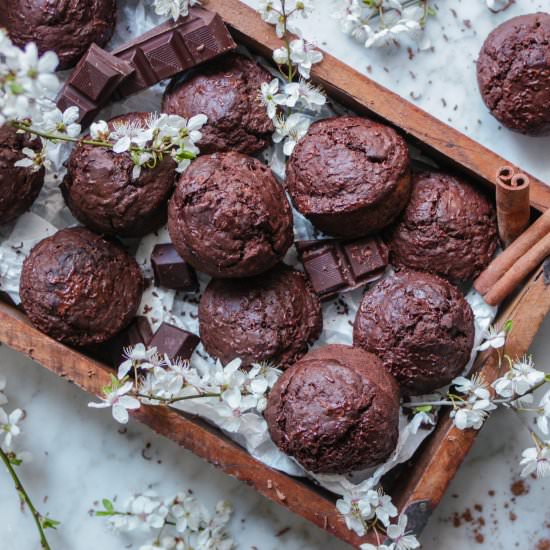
335,411
19,186
513,73
79,288
420,326
101,192
226,91
68,27
448,228
349,176
229,217
272,317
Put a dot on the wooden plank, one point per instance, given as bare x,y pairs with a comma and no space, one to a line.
363,95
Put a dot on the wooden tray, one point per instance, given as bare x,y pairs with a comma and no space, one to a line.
416,487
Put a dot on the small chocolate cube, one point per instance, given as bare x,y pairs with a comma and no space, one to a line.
174,342
171,270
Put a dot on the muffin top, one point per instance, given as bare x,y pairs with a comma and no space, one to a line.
226,91
271,317
66,27
448,228
19,186
513,72
335,411
79,288
420,326
101,192
345,163
229,217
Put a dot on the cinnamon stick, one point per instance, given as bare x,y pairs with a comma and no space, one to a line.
513,208
503,262
518,271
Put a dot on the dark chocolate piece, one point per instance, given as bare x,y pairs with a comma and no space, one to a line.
138,332
93,82
173,47
171,270
174,342
341,266
6,298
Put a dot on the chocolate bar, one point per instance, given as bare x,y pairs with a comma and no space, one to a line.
138,332
335,266
92,83
171,270
174,342
173,47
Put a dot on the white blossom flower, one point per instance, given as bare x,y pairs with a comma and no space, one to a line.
119,401
37,74
173,8
272,15
34,160
65,123
100,131
491,338
398,534
304,55
9,426
309,95
270,97
187,512
472,415
520,379
128,133
291,130
137,355
536,460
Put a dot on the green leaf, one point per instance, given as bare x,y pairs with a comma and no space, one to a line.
108,505
16,461
423,409
49,523
547,377
431,11
103,514
507,327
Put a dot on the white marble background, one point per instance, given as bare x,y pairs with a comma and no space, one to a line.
81,457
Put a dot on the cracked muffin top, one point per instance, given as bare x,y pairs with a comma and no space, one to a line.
513,73
335,411
272,317
226,91
229,217
101,192
420,326
349,176
449,228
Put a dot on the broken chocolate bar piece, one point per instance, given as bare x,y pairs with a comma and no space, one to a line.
171,270
335,266
174,342
173,47
92,83
137,332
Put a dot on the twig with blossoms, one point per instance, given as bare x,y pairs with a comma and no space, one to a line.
290,97
12,459
28,86
472,400
181,522
377,23
147,378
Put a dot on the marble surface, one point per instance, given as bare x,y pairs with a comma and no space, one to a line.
82,456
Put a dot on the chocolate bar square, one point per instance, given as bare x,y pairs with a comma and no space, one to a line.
171,270
174,342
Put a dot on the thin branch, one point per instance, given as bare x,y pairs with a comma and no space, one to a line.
38,518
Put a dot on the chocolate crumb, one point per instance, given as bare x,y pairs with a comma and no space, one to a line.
519,488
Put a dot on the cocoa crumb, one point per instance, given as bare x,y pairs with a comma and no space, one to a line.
512,516
480,539
543,544
283,531
519,488
491,493
478,507
467,515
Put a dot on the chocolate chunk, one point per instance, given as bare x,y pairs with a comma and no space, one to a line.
138,332
174,342
6,298
341,266
173,47
171,270
93,82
